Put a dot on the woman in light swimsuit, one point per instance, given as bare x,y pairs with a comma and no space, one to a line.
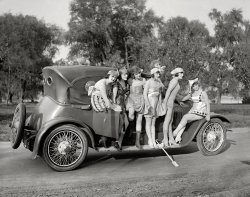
153,102
199,110
170,96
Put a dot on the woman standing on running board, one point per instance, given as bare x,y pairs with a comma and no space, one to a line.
135,103
120,95
199,110
153,104
170,96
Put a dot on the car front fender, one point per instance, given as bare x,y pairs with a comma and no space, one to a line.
52,124
193,128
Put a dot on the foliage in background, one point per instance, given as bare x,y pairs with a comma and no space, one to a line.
26,46
112,32
123,32
227,46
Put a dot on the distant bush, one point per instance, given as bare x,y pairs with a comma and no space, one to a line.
246,100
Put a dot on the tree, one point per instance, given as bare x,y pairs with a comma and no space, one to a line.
229,33
110,32
184,44
27,45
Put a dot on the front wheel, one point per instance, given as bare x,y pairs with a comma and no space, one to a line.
211,138
65,148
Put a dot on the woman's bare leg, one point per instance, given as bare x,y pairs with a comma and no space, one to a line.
138,130
153,132
185,119
170,133
148,130
178,137
166,124
131,114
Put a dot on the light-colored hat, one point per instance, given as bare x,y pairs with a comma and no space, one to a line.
136,70
176,70
154,70
191,82
114,73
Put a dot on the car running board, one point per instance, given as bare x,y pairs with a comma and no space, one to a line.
132,148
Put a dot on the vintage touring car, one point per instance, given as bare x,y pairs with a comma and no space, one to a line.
63,125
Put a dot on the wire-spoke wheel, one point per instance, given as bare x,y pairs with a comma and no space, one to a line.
65,148
211,138
17,126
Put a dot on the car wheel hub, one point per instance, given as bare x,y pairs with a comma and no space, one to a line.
213,136
64,147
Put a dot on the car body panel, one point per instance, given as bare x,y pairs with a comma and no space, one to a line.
66,101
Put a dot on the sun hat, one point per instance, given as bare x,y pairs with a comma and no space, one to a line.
176,70
123,70
191,82
114,73
136,70
154,70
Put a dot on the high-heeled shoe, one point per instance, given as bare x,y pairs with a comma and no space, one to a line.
172,143
165,143
178,140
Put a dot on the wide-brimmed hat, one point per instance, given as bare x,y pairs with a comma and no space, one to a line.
191,82
114,73
136,70
176,70
154,70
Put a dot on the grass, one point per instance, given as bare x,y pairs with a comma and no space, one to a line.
238,114
6,115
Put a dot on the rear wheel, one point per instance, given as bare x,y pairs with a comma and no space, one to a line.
211,138
65,148
17,126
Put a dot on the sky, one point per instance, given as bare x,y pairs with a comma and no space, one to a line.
57,11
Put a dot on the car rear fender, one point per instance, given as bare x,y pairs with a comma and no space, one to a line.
49,126
194,127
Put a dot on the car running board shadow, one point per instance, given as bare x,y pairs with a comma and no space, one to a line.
133,148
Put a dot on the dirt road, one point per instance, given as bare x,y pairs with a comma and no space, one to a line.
147,173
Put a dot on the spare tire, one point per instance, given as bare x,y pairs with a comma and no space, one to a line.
17,126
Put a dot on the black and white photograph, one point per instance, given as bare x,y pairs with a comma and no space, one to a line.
116,98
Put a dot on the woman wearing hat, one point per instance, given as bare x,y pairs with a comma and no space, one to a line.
101,96
100,100
199,110
170,96
135,101
153,103
120,95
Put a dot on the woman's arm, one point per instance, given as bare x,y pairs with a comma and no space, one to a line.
204,95
145,93
104,93
171,86
115,90
187,97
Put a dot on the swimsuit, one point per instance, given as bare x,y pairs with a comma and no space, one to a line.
199,106
155,101
135,98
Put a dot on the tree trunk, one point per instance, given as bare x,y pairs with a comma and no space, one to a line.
23,88
219,94
126,52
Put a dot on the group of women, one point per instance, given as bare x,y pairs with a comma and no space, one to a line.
136,97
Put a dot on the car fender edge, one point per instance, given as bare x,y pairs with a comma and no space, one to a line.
53,123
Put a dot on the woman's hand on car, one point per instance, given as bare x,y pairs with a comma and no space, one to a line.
207,118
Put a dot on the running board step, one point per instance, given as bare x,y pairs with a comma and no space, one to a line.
132,148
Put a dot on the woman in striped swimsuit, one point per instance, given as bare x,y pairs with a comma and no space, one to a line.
199,110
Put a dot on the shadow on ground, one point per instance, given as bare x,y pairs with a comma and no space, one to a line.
98,157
